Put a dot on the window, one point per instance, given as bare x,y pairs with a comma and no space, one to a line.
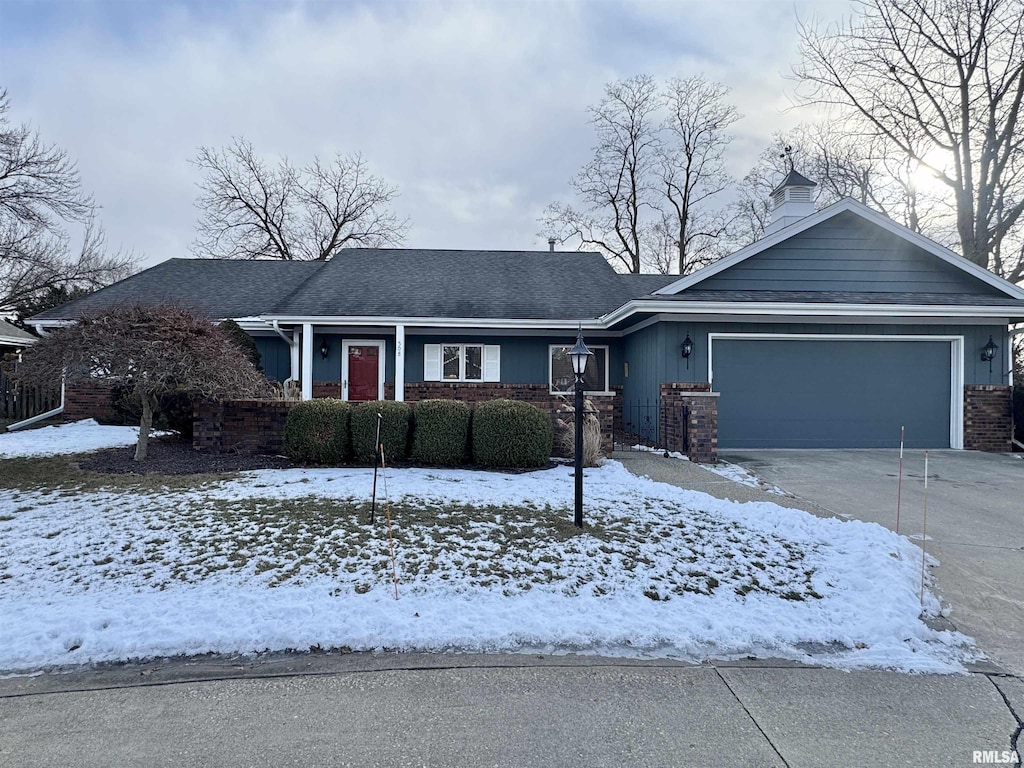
461,362
561,378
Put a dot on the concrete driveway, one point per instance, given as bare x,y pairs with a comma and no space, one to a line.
975,523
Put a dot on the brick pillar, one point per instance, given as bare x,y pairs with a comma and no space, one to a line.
689,420
988,418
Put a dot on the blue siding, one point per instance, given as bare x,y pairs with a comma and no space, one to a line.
275,357
846,253
524,359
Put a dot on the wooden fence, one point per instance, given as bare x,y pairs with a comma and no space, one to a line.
17,402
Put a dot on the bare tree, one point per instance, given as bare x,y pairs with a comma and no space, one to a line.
253,210
941,83
40,195
152,351
644,196
692,170
614,188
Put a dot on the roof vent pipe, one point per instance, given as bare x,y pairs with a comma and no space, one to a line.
551,244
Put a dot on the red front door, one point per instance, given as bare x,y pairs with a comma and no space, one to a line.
363,372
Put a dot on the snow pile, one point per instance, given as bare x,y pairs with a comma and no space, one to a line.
76,437
279,559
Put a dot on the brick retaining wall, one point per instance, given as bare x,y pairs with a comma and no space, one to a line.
89,399
241,426
988,417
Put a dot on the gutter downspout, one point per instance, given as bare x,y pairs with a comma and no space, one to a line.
41,416
293,348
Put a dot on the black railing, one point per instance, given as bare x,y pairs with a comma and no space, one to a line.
18,403
649,425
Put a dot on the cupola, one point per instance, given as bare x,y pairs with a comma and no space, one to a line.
792,200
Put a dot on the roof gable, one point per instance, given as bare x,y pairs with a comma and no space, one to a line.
847,247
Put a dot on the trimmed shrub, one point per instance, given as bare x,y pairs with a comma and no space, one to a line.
394,429
508,433
440,433
316,432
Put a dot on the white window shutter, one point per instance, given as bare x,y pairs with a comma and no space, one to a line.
492,362
431,362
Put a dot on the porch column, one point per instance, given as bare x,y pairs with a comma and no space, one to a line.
293,351
307,361
400,363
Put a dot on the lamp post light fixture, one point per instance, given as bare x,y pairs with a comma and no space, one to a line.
687,349
988,353
579,355
325,349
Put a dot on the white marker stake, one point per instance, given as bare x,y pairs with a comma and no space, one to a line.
924,525
899,483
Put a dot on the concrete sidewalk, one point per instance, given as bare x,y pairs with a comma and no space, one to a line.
519,710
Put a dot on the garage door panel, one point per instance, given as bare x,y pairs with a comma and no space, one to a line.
788,393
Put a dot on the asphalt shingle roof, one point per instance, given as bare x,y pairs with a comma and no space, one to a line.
383,282
410,283
217,288
13,333
469,284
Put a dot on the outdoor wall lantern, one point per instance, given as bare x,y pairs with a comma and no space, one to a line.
325,349
988,353
687,349
580,356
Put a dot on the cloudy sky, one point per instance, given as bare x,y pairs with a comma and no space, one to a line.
475,110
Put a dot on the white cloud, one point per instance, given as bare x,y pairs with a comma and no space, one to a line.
476,110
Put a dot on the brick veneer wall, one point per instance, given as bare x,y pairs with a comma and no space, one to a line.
697,433
241,426
89,399
988,417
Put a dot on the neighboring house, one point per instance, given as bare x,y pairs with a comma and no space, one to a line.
13,338
836,329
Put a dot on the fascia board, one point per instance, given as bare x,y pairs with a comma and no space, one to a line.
780,308
437,322
18,341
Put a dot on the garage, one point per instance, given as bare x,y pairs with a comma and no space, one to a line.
817,391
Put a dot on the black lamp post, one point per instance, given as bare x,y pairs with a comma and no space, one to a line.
579,355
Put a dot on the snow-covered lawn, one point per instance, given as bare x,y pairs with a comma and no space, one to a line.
76,437
278,559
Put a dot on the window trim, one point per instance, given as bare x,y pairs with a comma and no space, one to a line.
490,362
593,347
